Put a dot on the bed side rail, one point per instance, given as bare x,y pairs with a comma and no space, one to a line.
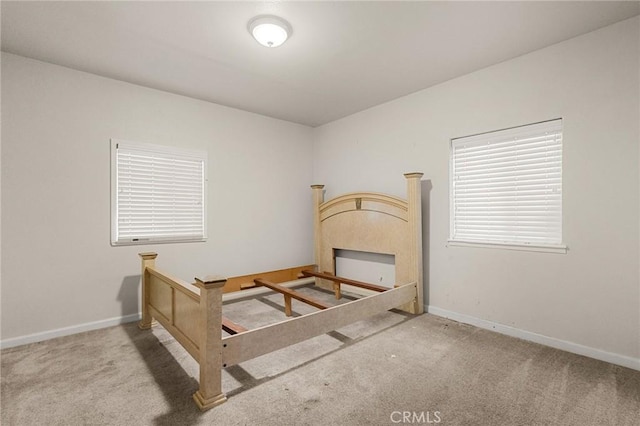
260,341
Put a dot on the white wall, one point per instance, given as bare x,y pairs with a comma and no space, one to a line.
588,297
58,268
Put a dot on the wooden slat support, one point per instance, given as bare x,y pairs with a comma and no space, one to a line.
287,305
337,290
348,281
289,294
231,327
337,287
244,282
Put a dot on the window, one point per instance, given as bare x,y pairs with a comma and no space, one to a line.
506,187
157,194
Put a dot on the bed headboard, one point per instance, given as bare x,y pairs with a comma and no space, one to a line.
374,223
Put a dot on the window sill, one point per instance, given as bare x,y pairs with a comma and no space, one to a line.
147,241
560,249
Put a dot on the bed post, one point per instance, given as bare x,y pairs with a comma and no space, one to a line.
318,198
210,345
148,260
414,202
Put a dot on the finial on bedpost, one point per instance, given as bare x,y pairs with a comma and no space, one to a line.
148,260
211,281
210,343
414,201
414,175
318,198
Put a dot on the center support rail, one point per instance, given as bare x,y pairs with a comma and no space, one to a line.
339,280
291,294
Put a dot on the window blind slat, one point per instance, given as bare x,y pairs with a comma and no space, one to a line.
549,142
494,167
546,151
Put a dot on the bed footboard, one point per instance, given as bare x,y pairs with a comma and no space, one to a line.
193,316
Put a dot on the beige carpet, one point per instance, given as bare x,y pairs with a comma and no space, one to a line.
391,369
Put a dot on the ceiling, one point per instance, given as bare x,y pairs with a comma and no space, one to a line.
343,57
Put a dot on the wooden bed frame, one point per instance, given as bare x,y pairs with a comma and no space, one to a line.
368,222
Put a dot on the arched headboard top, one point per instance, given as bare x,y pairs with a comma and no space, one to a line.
365,201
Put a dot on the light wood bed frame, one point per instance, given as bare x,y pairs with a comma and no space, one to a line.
368,222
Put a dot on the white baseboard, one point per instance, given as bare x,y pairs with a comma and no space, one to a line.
575,348
623,360
66,331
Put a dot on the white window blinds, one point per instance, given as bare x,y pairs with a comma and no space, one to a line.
506,186
158,194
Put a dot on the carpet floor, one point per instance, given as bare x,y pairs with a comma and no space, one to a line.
390,369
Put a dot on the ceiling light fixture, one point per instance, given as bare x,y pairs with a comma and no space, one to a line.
269,30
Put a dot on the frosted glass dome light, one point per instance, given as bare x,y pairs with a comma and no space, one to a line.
269,31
